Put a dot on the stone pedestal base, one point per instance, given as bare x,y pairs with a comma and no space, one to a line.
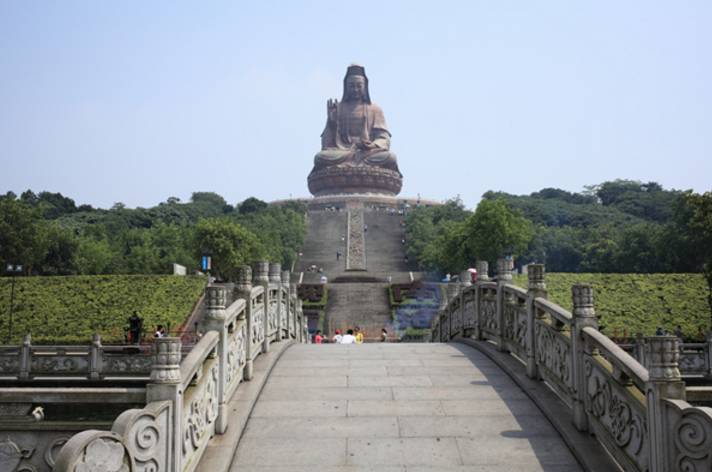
339,180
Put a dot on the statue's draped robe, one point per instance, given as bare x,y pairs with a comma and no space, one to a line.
356,122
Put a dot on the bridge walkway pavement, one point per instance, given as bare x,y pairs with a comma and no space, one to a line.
396,407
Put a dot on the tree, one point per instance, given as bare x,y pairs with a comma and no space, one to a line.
695,221
494,230
251,205
229,244
23,235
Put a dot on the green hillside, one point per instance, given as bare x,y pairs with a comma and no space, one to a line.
70,309
638,302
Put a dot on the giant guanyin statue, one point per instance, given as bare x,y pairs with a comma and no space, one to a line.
355,154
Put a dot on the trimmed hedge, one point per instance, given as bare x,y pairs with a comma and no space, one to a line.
632,303
68,310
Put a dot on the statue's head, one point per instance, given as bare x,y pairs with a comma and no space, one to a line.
356,85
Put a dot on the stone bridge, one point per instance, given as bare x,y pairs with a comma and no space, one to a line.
512,382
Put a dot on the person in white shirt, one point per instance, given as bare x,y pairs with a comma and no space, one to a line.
349,337
337,337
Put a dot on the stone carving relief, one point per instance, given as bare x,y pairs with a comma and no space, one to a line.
147,436
489,314
9,364
103,455
59,364
258,328
554,354
613,409
515,324
236,355
129,364
693,362
201,414
468,319
11,454
356,255
692,434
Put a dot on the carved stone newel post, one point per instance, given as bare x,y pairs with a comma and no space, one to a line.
275,281
96,356
165,384
261,277
504,276
215,315
244,291
537,289
584,315
662,354
482,276
285,304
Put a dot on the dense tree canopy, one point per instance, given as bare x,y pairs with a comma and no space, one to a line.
49,234
617,226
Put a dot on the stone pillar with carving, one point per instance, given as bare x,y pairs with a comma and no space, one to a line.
214,320
243,287
165,384
709,354
504,277
275,282
260,276
584,315
536,289
294,327
96,357
284,305
662,355
25,357
482,276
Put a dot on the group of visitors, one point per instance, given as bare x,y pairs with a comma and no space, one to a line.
135,329
352,336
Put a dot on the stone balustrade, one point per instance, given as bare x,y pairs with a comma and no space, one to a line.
638,411
93,362
186,398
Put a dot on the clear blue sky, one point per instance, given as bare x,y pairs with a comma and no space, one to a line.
137,101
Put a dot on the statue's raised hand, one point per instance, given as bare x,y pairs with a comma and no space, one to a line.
332,110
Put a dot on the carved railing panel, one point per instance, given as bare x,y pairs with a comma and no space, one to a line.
147,434
489,324
690,436
200,410
257,331
617,414
272,314
554,358
468,308
236,357
515,321
455,313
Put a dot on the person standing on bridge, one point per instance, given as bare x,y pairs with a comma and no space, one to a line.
359,335
349,337
337,337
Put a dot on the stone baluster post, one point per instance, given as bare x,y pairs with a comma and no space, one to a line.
96,357
482,276
165,384
536,289
584,315
453,292
285,303
709,354
275,282
639,350
294,327
215,316
260,277
504,276
662,354
25,357
243,287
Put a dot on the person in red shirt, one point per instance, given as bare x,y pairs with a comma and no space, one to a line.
318,338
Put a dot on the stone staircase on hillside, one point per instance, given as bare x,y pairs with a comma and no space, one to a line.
359,304
324,232
385,251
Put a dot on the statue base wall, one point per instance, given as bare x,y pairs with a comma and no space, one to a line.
346,180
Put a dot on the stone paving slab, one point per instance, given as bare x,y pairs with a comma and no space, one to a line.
396,407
